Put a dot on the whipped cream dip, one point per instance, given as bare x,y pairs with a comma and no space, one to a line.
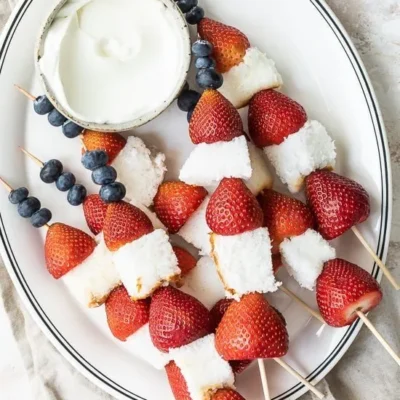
117,62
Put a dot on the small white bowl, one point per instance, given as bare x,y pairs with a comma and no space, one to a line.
117,127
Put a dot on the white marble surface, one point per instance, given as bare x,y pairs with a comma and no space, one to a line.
366,372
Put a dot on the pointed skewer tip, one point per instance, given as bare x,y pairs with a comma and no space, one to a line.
6,185
25,93
32,157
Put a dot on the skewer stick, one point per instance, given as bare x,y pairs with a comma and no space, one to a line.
383,342
32,157
304,381
264,380
314,313
25,93
378,261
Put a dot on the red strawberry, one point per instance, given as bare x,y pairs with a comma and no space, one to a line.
214,119
251,329
338,203
227,394
177,382
65,248
175,202
273,116
276,262
125,316
111,142
229,43
186,262
124,223
284,216
233,209
95,211
342,289
177,319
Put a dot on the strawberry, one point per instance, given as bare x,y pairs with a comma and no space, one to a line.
186,262
273,116
251,329
177,319
125,316
344,288
276,262
111,142
230,45
65,248
95,211
177,382
175,202
123,224
284,216
233,209
227,394
214,119
338,203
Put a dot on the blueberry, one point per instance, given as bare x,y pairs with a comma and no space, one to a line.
94,159
56,118
51,171
42,105
209,78
76,195
202,48
113,192
195,15
204,63
190,113
71,130
41,217
28,207
186,5
18,195
65,181
188,99
104,175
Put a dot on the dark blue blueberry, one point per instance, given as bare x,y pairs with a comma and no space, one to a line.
18,195
188,99
28,207
51,171
104,175
56,118
113,192
202,48
94,159
42,105
186,5
41,218
195,15
71,130
204,63
76,195
65,181
209,79
190,113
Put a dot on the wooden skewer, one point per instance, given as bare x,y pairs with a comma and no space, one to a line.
383,342
264,380
25,93
378,261
32,157
304,381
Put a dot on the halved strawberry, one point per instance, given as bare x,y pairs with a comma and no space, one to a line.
338,203
230,44
186,262
214,119
344,288
125,316
111,142
65,248
177,319
251,329
233,209
95,211
227,394
274,116
175,202
284,216
123,224
177,382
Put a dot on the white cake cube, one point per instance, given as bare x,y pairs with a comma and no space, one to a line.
244,262
301,153
203,368
92,281
255,73
146,263
208,164
140,171
304,257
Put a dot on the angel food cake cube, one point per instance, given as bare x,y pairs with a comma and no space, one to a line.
301,153
244,263
146,263
203,368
